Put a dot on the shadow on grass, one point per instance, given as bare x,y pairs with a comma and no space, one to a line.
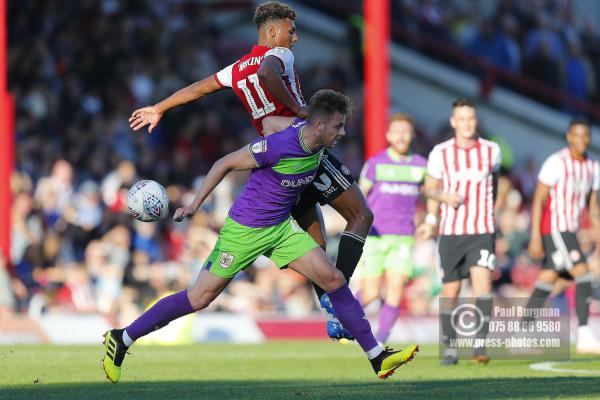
489,389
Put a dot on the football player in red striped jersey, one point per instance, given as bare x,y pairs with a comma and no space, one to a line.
467,166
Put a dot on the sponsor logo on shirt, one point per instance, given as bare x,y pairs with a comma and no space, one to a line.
399,188
417,173
470,174
225,260
259,147
298,124
324,184
297,182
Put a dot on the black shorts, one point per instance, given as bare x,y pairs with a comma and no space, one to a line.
458,253
331,180
562,251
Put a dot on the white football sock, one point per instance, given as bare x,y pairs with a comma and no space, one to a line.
374,352
126,339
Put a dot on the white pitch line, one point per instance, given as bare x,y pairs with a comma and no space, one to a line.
550,366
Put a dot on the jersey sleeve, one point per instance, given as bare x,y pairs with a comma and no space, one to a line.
264,152
368,172
225,76
551,171
435,164
496,157
283,54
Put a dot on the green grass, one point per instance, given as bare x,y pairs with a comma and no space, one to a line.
277,370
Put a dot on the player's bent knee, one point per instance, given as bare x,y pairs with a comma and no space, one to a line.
361,217
367,216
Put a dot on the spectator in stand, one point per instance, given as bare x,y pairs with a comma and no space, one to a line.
543,66
577,74
543,36
496,46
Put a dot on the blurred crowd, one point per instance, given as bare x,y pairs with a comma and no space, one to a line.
77,70
542,39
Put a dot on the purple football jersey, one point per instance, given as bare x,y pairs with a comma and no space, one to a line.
285,166
395,191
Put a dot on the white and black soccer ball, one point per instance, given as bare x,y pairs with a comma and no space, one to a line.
147,201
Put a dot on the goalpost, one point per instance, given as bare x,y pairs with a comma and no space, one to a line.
6,141
377,67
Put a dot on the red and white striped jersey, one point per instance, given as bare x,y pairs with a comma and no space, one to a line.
468,172
571,182
242,78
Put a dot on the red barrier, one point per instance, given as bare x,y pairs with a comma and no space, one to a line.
377,70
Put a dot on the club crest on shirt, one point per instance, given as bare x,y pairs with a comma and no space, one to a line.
259,147
345,170
225,260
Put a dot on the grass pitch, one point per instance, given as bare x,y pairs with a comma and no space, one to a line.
278,370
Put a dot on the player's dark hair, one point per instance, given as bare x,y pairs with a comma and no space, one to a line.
327,102
400,116
272,11
580,121
463,103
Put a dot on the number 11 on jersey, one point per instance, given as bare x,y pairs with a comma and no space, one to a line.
267,106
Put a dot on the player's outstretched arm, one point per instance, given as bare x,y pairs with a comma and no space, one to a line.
150,116
536,249
237,161
269,73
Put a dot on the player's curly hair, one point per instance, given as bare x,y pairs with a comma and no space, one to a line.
326,102
272,11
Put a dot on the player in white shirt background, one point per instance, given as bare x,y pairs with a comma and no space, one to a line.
568,182
465,169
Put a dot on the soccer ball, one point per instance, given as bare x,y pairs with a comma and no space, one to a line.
147,201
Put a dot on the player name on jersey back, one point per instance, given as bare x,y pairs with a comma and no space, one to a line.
251,61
